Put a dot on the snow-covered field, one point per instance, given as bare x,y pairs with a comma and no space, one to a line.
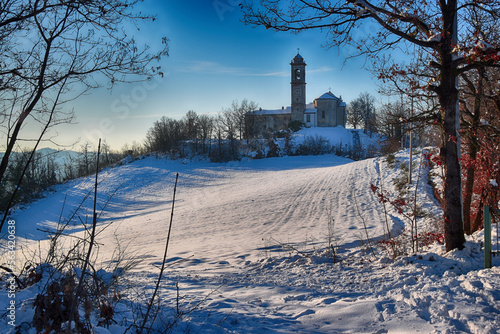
249,249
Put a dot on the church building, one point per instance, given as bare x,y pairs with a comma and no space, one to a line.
327,110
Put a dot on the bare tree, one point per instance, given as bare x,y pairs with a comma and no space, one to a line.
431,26
411,102
354,117
362,111
240,112
165,135
66,48
206,123
229,124
191,122
13,14
391,116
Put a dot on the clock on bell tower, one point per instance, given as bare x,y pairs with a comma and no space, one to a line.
298,84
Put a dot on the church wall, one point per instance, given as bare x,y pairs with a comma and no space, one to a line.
279,122
342,116
270,122
310,120
330,113
325,112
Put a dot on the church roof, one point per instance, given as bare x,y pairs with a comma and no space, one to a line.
327,96
310,109
282,111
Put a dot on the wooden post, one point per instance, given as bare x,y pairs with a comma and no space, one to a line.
487,238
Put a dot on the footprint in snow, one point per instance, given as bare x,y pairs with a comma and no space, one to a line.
329,301
304,313
292,298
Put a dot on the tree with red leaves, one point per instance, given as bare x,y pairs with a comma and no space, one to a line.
481,133
480,122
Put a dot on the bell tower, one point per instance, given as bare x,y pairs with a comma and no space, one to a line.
298,84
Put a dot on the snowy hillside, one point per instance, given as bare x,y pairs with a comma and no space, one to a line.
250,252
340,136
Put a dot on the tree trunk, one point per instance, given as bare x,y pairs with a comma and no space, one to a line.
448,98
473,150
453,225
469,187
478,222
11,143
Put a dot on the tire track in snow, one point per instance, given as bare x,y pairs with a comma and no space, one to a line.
300,204
291,206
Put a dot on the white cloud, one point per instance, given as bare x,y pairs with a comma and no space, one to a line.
320,70
211,67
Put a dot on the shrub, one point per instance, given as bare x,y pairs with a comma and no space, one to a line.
391,160
274,150
314,146
53,308
295,126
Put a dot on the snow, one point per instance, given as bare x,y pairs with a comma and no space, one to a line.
435,38
483,45
335,135
338,136
249,248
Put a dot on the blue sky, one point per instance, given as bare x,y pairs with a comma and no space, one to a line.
214,59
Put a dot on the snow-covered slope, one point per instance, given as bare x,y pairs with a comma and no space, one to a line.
223,212
250,241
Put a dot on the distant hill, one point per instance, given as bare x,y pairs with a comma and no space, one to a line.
60,155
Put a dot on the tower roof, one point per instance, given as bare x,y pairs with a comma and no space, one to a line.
298,59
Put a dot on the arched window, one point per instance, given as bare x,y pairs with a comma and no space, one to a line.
297,74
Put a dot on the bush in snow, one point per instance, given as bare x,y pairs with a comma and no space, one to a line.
295,126
69,294
314,146
53,307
